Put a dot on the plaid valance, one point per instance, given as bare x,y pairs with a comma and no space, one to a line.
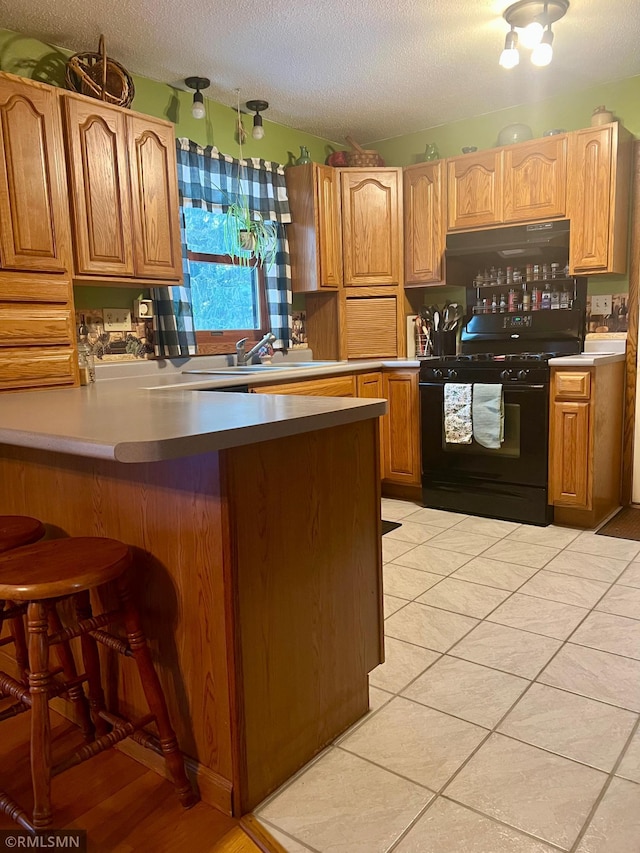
209,179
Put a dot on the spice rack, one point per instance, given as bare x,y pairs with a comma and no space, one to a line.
511,291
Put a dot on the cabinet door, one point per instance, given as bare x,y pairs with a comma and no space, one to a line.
329,237
535,179
372,327
370,385
401,428
569,455
154,188
591,165
424,223
474,190
33,196
371,237
99,178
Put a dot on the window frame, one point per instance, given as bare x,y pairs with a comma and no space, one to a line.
211,341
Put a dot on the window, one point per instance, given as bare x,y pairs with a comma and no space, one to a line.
228,298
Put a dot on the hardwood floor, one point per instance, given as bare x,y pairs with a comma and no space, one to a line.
124,807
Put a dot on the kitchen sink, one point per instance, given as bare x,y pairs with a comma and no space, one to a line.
259,368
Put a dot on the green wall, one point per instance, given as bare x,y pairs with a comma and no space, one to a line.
570,112
29,57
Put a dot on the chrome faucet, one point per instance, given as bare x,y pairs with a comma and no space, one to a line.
243,358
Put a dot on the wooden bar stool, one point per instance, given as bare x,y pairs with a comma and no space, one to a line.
40,575
17,530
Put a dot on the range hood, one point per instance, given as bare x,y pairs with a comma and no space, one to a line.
512,243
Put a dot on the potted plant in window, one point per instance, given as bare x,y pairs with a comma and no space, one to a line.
247,235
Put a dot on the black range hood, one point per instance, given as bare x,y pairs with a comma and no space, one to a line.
512,243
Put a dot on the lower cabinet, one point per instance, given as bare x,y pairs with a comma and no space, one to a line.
334,386
401,428
585,443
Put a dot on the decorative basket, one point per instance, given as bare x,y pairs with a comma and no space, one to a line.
95,75
363,157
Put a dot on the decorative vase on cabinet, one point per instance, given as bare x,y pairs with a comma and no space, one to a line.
304,156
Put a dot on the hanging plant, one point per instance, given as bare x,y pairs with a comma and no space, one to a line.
247,235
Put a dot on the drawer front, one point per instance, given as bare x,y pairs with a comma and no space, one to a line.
34,288
23,369
573,384
34,327
336,386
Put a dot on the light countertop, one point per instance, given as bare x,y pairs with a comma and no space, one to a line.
587,359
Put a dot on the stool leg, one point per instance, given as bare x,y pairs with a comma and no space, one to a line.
39,682
91,660
153,693
68,664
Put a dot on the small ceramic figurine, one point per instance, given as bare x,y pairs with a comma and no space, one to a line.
431,152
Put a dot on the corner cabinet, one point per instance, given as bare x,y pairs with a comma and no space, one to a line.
34,230
371,226
123,176
585,443
599,187
424,223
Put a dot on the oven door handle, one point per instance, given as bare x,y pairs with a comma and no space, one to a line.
505,385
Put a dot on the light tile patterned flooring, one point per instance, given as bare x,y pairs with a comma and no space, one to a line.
505,718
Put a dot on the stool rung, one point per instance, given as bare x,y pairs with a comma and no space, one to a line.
85,626
87,751
13,611
139,736
10,687
15,812
5,641
111,642
14,710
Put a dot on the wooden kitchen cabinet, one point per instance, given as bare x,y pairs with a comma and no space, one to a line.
334,386
123,176
34,229
315,237
371,226
96,136
401,428
474,190
585,443
424,223
535,179
599,187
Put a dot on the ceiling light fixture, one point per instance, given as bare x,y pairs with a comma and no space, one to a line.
533,20
198,83
257,107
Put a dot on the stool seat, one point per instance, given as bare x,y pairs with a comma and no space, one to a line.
17,530
60,567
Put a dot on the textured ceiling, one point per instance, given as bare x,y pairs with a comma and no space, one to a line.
373,69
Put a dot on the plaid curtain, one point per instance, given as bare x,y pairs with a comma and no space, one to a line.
207,179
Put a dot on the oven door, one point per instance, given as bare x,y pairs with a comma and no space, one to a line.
509,482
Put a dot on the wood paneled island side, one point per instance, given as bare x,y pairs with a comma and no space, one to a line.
258,566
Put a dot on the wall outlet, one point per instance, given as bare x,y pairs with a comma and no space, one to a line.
601,305
116,319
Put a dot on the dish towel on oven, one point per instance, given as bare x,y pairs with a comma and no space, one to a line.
458,425
488,415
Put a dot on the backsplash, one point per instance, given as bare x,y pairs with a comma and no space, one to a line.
608,313
129,344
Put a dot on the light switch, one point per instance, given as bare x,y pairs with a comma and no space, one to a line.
116,319
601,305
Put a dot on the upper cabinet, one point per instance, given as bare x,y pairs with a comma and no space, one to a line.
371,226
315,240
517,183
101,197
154,185
123,176
599,186
424,223
535,180
474,190
34,232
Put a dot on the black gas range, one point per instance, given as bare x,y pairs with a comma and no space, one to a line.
525,367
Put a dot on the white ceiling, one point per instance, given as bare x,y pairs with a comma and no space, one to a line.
371,68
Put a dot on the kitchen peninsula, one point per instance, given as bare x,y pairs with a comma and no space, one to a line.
254,521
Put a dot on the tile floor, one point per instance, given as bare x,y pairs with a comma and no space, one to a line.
505,718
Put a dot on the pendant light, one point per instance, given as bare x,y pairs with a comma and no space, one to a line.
257,107
198,83
530,22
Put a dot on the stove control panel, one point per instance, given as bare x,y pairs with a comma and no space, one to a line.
517,321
